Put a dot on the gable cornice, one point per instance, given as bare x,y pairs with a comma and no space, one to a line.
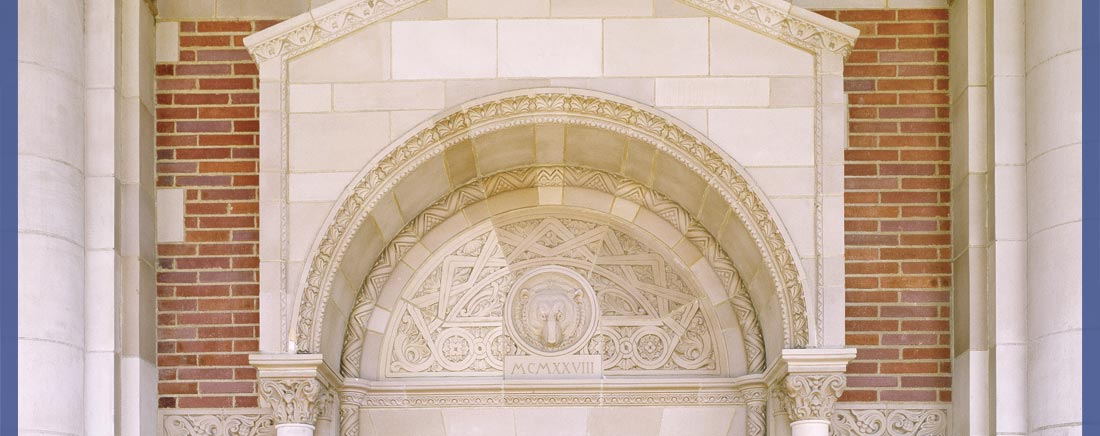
776,18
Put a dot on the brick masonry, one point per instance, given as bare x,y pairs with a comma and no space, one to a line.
208,285
897,206
897,220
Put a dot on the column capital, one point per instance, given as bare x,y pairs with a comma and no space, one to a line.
810,381
297,387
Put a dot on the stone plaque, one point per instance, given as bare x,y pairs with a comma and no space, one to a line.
551,311
535,367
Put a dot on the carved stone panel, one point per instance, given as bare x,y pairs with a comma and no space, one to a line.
552,313
549,285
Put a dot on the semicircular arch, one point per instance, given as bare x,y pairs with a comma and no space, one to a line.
436,158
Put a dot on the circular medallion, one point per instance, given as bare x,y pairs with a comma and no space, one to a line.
551,311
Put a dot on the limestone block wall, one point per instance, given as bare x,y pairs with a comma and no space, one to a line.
896,170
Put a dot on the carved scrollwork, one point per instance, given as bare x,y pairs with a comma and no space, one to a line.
299,401
218,425
811,396
895,422
605,342
540,286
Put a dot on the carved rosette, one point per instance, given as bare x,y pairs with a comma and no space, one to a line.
295,401
811,396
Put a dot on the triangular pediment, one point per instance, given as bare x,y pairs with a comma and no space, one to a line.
775,18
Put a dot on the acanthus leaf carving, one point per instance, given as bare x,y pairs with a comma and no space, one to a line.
295,401
811,396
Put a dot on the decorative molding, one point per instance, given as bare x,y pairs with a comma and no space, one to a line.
756,420
811,396
216,422
295,401
559,107
889,422
523,178
668,392
457,315
298,389
780,20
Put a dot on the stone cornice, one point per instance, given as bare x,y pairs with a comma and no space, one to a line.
776,18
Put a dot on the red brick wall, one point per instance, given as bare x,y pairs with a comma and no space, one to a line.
896,208
208,286
897,214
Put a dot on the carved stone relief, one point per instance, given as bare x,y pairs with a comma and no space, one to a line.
522,178
553,312
299,401
201,422
553,108
549,285
811,396
895,422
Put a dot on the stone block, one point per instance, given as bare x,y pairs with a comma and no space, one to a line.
498,9
336,141
602,8
550,48
738,51
460,49
655,47
388,96
713,92
765,137
363,55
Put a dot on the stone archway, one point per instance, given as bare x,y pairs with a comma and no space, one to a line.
691,169
512,145
533,187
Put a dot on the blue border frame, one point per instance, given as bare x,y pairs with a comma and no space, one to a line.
9,218
1091,212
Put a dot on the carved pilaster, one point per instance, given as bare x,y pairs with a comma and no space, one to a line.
811,396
